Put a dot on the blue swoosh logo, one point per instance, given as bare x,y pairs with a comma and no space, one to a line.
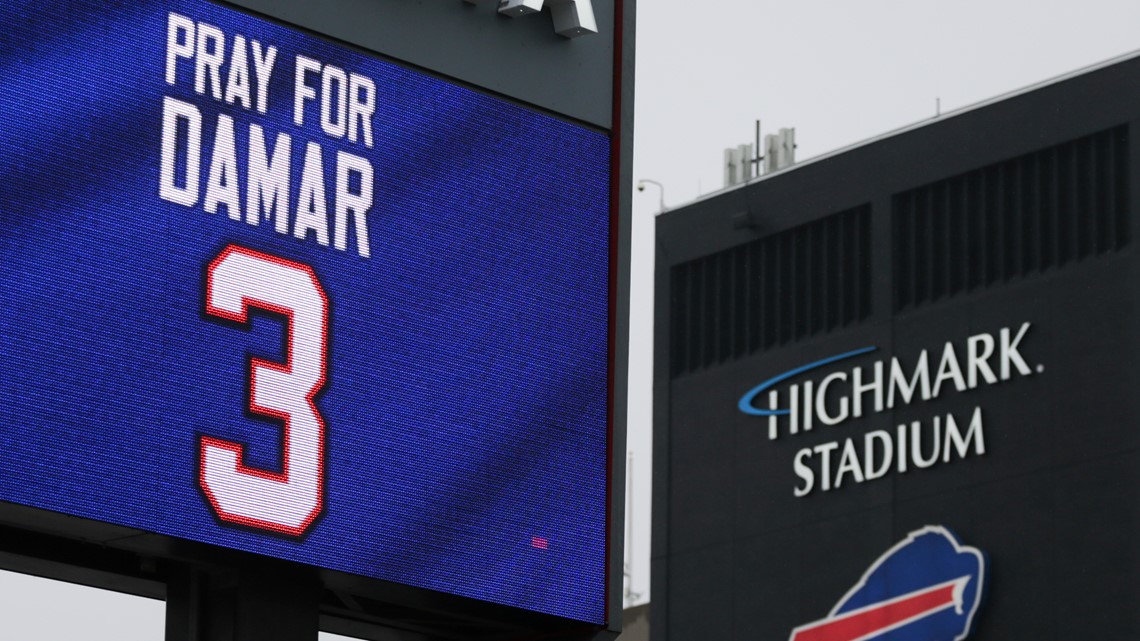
745,403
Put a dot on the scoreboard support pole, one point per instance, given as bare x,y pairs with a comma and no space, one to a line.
251,604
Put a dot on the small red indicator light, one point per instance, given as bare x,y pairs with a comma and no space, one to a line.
539,543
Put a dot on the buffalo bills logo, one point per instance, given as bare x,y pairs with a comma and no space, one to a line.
925,588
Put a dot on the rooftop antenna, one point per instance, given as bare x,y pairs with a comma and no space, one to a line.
737,165
744,162
757,159
780,150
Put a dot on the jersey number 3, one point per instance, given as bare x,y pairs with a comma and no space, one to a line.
286,502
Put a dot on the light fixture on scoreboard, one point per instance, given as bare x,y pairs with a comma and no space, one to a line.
572,18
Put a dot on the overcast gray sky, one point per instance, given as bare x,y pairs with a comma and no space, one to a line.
839,71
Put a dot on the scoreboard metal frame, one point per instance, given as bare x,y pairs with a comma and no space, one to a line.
215,592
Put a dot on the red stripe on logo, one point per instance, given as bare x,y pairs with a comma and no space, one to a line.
869,621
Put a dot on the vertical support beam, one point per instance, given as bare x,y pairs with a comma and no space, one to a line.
183,605
263,603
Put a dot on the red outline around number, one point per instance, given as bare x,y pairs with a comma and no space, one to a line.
287,367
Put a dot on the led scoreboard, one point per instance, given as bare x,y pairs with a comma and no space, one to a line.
266,291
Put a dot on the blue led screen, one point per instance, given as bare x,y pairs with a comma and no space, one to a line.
264,291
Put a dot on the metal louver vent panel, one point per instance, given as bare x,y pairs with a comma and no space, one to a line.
775,290
1036,212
